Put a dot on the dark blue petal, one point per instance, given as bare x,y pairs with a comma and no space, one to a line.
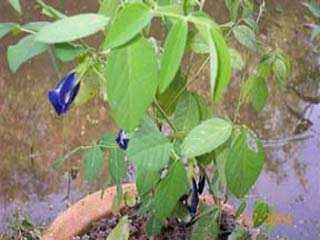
54,99
65,92
194,199
122,140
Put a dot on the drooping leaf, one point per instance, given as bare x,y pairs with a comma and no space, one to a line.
146,179
206,137
205,111
121,231
168,100
131,74
149,148
117,167
206,227
66,52
186,115
244,163
245,36
198,44
127,24
6,28
25,49
236,60
16,5
72,28
260,213
233,7
170,189
173,53
92,164
224,69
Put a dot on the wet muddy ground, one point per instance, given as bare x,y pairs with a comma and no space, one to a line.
32,136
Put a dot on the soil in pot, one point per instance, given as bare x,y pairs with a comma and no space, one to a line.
172,229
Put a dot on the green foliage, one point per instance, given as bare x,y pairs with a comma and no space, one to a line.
127,24
187,114
233,8
206,228
206,137
261,213
16,5
239,233
121,231
244,163
92,163
71,28
245,36
173,53
66,52
109,8
127,99
170,189
149,148
25,49
6,28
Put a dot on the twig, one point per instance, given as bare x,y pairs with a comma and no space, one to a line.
157,105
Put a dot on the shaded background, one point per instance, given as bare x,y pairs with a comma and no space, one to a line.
32,136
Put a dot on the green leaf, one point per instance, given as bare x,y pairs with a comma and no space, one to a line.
131,74
170,189
237,62
66,52
153,227
109,8
107,140
117,166
206,227
244,163
72,28
233,7
92,164
241,208
186,115
256,92
173,53
90,87
127,24
245,36
224,62
35,26
261,213
146,179
168,100
149,149
121,231
16,5
206,137
6,28
239,233
198,44
25,49
205,111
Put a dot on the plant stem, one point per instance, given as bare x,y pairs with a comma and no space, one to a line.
157,105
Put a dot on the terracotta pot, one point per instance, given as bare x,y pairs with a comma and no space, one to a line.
78,218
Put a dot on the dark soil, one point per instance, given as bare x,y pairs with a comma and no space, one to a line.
172,229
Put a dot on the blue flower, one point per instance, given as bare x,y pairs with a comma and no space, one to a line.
65,92
122,139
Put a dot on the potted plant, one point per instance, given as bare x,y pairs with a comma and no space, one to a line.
177,144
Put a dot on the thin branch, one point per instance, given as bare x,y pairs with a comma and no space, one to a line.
157,105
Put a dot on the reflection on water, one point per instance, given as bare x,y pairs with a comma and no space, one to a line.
32,136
